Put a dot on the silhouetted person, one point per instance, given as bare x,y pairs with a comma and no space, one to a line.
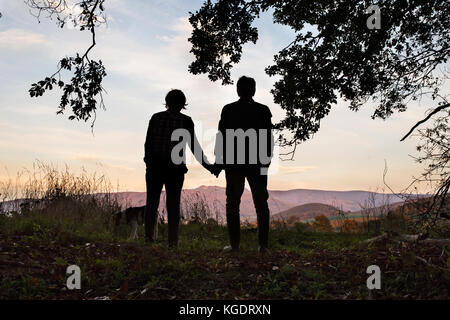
245,120
165,167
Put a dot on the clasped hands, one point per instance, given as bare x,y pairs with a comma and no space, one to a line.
215,169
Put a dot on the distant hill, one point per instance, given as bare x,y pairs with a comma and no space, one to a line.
279,200
306,212
377,211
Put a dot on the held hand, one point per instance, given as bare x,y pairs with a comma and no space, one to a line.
214,169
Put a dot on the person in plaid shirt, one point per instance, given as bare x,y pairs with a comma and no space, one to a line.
165,168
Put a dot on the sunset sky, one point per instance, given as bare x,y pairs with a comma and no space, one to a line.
145,50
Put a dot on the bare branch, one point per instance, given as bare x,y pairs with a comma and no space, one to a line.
440,108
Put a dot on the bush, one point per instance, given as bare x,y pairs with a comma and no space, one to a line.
349,226
302,227
322,224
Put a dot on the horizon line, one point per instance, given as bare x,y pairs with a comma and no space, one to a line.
278,190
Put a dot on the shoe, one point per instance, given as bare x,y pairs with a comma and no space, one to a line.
173,245
263,249
230,249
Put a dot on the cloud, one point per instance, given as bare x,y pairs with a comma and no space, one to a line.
36,110
18,39
65,143
160,63
88,159
99,162
295,169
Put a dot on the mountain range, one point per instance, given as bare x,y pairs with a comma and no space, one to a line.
280,201
304,204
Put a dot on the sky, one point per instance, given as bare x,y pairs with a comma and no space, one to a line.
145,50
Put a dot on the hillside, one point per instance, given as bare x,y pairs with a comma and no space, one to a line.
306,212
279,200
214,199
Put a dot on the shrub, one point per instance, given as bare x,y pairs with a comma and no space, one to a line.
322,224
349,225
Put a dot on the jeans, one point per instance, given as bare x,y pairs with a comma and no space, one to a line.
235,187
173,181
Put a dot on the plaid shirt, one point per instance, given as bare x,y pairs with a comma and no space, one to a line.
158,144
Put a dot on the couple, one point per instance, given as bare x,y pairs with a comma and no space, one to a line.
244,147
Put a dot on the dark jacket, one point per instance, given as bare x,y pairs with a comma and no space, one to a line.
250,117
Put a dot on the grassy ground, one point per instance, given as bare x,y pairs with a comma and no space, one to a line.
35,251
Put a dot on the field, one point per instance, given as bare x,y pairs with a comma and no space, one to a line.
69,226
35,252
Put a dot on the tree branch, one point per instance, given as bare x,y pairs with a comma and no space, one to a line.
440,108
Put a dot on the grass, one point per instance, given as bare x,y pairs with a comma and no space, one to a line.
300,265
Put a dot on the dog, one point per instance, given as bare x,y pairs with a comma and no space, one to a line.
134,216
